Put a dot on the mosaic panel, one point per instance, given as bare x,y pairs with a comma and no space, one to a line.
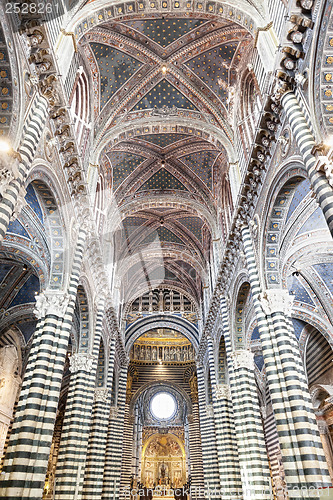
33,202
325,271
163,140
162,180
27,293
16,227
115,68
201,164
123,164
259,361
213,67
165,31
164,94
298,326
315,221
193,224
301,191
255,334
27,328
296,288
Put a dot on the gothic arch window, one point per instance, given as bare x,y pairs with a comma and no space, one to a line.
250,110
80,109
99,201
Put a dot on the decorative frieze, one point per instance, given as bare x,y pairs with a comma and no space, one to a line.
51,302
114,412
276,300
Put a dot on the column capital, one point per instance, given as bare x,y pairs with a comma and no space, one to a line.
51,302
81,362
101,395
322,427
243,359
276,300
222,391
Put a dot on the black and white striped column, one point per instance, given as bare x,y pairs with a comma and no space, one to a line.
228,459
303,457
93,480
208,440
28,451
252,454
305,142
114,445
32,133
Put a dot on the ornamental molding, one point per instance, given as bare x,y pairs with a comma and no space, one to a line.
51,302
276,300
222,391
243,359
81,362
101,395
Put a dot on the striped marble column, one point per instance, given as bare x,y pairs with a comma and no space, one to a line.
14,193
195,439
303,456
114,445
76,428
28,450
305,142
228,459
252,454
208,440
93,480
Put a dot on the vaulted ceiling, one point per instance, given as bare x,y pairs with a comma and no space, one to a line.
152,76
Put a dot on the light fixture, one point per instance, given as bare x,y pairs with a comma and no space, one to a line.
4,146
25,267
163,162
164,69
160,361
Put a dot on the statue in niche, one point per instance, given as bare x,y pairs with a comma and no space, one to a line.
166,354
154,354
148,353
172,353
142,352
136,352
178,354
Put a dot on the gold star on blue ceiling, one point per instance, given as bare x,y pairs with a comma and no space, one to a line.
201,164
115,68
162,180
193,224
212,67
123,165
162,234
163,140
165,31
164,94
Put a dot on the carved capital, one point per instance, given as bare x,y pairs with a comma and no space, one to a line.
81,362
322,427
101,395
276,300
222,391
51,302
243,359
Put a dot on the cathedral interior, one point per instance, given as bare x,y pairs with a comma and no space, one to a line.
166,253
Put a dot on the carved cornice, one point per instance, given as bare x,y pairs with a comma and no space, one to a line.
276,300
51,302
81,362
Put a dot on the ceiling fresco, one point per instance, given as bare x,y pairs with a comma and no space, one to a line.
153,76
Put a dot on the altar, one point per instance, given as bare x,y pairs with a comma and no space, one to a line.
163,463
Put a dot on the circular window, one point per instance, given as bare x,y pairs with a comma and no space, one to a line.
163,406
